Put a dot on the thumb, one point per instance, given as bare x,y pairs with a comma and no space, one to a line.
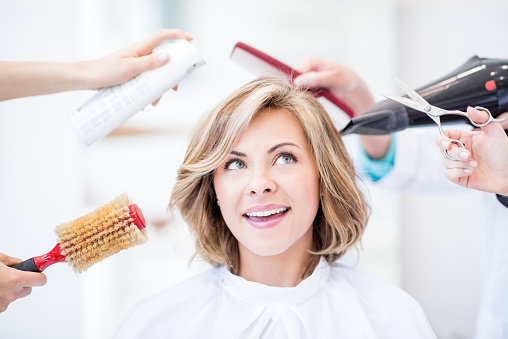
480,116
151,61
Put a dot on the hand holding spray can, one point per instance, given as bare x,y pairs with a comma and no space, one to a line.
112,106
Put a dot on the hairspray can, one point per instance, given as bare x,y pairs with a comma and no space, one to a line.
112,106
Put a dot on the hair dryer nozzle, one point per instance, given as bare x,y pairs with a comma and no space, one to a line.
385,119
479,82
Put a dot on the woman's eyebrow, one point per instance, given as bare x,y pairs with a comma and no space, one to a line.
280,145
239,154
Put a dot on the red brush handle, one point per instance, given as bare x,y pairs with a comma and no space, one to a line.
55,255
40,263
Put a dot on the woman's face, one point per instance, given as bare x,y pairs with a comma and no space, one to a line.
268,187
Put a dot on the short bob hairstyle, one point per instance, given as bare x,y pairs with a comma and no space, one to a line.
342,215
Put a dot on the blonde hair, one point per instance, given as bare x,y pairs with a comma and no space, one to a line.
342,214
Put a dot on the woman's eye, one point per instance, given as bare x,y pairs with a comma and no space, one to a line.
235,164
285,159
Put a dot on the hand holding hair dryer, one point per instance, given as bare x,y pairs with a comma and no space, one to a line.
479,82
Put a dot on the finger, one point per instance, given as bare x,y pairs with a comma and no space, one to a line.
450,164
30,279
494,129
8,261
457,134
459,153
148,62
477,116
443,141
147,45
173,33
23,292
503,124
326,79
455,174
306,80
157,101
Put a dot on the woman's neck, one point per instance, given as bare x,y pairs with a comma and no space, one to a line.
282,270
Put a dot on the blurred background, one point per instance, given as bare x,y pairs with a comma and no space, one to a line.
47,177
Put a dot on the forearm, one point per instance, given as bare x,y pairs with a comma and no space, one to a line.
21,79
360,100
375,146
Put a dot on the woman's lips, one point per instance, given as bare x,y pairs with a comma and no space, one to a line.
266,218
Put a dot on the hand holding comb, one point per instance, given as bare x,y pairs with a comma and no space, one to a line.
95,236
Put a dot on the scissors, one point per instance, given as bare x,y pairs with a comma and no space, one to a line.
417,102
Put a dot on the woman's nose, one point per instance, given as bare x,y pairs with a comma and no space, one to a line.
261,183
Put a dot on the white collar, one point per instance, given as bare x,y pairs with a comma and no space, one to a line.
260,294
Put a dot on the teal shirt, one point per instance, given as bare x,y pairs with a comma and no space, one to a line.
377,169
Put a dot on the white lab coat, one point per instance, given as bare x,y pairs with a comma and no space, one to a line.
334,302
418,166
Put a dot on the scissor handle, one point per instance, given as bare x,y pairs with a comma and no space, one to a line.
491,118
437,120
457,142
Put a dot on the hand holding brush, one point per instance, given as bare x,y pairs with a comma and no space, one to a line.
16,284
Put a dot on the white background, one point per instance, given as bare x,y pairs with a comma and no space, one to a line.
47,177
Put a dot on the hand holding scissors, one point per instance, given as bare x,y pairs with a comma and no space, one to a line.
417,102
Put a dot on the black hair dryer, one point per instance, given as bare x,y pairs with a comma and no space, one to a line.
479,82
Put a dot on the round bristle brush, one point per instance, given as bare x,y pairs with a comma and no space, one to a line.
101,233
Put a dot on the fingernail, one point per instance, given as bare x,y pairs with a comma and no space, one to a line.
473,164
445,144
464,155
468,171
163,57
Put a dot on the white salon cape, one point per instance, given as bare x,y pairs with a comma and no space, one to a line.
334,302
418,166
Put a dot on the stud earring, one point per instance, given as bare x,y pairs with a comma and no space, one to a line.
218,203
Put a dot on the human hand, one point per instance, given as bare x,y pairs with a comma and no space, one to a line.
484,160
15,284
345,84
130,61
340,80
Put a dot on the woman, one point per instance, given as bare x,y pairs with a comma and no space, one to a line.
270,193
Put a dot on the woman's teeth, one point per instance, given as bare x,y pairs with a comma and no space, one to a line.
266,213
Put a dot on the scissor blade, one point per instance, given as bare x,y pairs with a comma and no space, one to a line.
410,92
406,102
